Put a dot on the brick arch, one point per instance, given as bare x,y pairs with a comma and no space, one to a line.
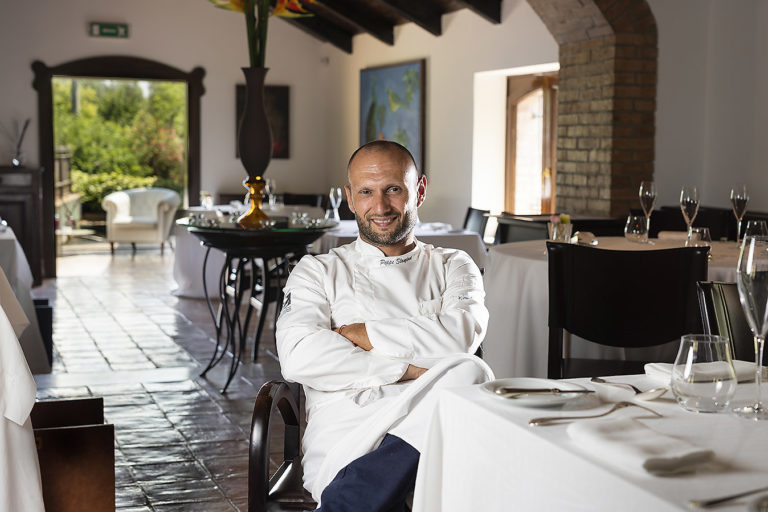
606,101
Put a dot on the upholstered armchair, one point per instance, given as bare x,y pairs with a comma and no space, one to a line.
143,215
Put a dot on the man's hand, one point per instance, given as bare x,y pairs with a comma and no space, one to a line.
357,334
412,373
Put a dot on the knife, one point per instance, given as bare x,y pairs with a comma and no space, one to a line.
538,391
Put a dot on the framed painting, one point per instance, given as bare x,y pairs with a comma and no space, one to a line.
277,105
392,106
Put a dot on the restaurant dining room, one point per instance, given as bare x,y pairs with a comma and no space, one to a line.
385,255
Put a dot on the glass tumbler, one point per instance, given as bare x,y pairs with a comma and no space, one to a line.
559,231
636,229
703,379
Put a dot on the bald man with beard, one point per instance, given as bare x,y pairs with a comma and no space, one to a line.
372,330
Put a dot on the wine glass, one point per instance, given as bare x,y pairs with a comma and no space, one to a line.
335,197
752,282
739,199
270,188
647,200
689,204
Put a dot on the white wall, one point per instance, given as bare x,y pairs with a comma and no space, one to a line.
183,34
469,44
712,111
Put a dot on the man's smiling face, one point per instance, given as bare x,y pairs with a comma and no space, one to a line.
384,193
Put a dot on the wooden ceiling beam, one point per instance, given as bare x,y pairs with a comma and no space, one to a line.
421,13
360,18
325,31
488,9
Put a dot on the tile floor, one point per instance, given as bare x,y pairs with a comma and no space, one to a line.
120,333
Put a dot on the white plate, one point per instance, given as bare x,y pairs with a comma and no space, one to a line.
536,400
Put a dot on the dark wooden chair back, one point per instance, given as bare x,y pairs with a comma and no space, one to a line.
722,314
284,490
318,200
476,220
620,299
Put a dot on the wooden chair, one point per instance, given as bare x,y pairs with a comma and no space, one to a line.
722,314
284,490
620,299
476,220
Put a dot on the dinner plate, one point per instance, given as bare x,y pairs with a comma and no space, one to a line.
534,400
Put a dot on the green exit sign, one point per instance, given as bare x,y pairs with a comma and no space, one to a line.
109,30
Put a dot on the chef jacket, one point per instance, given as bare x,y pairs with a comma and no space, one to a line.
425,308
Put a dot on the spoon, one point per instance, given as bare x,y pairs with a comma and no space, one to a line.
651,394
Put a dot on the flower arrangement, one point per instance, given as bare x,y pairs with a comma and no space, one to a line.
257,18
563,218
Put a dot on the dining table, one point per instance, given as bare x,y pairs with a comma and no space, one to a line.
15,266
482,454
20,483
439,234
190,254
517,297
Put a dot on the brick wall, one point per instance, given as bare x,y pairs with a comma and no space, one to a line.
606,102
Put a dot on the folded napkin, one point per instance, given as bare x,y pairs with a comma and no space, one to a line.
627,443
661,373
672,235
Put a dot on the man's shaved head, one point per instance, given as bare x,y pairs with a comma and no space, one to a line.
384,146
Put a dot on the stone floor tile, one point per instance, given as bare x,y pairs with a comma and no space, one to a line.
156,454
165,493
228,467
130,496
169,472
146,437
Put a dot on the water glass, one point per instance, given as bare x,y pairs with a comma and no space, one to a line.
636,229
206,200
699,237
270,189
703,379
559,231
756,228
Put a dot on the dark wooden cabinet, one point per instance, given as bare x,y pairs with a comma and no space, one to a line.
21,208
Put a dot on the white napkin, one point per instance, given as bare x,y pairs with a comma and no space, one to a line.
17,387
627,443
661,373
672,235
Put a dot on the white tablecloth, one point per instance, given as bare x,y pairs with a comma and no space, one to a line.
20,486
435,233
16,268
189,255
482,455
517,297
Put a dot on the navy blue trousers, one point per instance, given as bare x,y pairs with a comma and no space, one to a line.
379,481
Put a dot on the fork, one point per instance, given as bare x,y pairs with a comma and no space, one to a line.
535,422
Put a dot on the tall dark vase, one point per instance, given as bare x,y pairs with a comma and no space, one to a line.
255,144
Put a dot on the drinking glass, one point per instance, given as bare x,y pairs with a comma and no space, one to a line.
335,197
756,228
689,204
636,229
559,231
703,379
739,199
699,237
647,200
270,189
752,281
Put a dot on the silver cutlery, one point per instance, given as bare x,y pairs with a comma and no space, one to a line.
509,392
535,422
716,501
650,394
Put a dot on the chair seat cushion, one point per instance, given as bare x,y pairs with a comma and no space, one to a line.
131,222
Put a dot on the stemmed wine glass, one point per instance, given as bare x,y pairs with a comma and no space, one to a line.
270,188
752,281
689,204
647,200
335,197
739,199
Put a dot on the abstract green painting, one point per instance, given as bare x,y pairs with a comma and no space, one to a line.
392,106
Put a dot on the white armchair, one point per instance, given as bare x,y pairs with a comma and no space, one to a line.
140,215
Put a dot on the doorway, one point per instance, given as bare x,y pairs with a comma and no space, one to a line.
530,144
112,135
108,68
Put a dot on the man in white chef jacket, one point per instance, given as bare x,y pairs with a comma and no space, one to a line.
372,330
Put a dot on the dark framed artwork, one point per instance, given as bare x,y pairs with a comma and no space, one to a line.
392,105
277,105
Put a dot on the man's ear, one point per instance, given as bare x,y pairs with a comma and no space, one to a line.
421,190
349,198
